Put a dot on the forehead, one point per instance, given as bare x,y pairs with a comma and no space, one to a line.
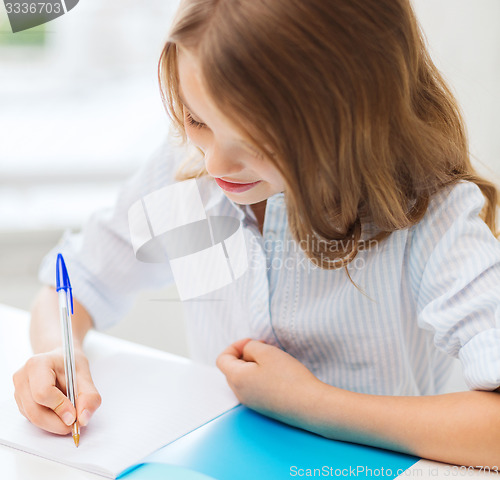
198,101
190,78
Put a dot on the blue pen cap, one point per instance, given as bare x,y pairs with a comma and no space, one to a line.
62,278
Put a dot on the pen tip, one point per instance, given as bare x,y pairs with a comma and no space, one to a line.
76,439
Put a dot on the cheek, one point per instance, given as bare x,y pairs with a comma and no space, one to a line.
272,175
197,136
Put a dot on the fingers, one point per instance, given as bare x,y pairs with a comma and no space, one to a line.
45,418
255,351
45,393
232,355
39,395
39,415
236,349
242,354
88,400
226,362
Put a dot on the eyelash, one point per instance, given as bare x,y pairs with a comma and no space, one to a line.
192,122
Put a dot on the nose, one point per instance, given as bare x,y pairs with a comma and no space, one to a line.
221,162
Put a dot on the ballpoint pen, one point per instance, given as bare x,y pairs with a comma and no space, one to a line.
63,287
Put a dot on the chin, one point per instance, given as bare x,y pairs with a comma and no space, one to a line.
245,199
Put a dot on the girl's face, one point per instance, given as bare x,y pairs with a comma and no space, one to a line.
244,175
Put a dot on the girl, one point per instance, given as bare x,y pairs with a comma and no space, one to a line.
325,128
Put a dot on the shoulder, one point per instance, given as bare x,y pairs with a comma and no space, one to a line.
460,200
452,210
452,240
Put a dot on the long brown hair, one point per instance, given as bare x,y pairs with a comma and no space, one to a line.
342,96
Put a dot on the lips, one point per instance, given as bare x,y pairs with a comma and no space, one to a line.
235,187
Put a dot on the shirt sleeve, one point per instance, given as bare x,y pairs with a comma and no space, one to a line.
105,274
455,268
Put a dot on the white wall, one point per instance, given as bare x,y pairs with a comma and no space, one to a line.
464,40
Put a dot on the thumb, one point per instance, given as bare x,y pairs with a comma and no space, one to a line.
232,355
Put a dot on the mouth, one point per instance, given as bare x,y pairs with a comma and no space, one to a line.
235,187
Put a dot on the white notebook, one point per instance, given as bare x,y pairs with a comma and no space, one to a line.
147,402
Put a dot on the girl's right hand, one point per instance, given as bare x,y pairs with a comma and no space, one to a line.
40,392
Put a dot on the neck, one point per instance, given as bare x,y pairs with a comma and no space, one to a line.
259,209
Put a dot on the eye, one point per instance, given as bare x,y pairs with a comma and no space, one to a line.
191,121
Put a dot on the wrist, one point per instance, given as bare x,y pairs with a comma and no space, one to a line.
312,404
330,410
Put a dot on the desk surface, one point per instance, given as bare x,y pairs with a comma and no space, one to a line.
15,350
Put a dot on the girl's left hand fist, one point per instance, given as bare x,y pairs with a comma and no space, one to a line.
270,381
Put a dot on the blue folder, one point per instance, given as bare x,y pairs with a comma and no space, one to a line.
244,445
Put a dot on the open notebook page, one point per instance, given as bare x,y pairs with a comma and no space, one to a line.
146,403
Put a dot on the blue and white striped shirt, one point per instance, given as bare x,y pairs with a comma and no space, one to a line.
426,294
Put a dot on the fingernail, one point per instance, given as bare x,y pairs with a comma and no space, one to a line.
68,418
84,418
